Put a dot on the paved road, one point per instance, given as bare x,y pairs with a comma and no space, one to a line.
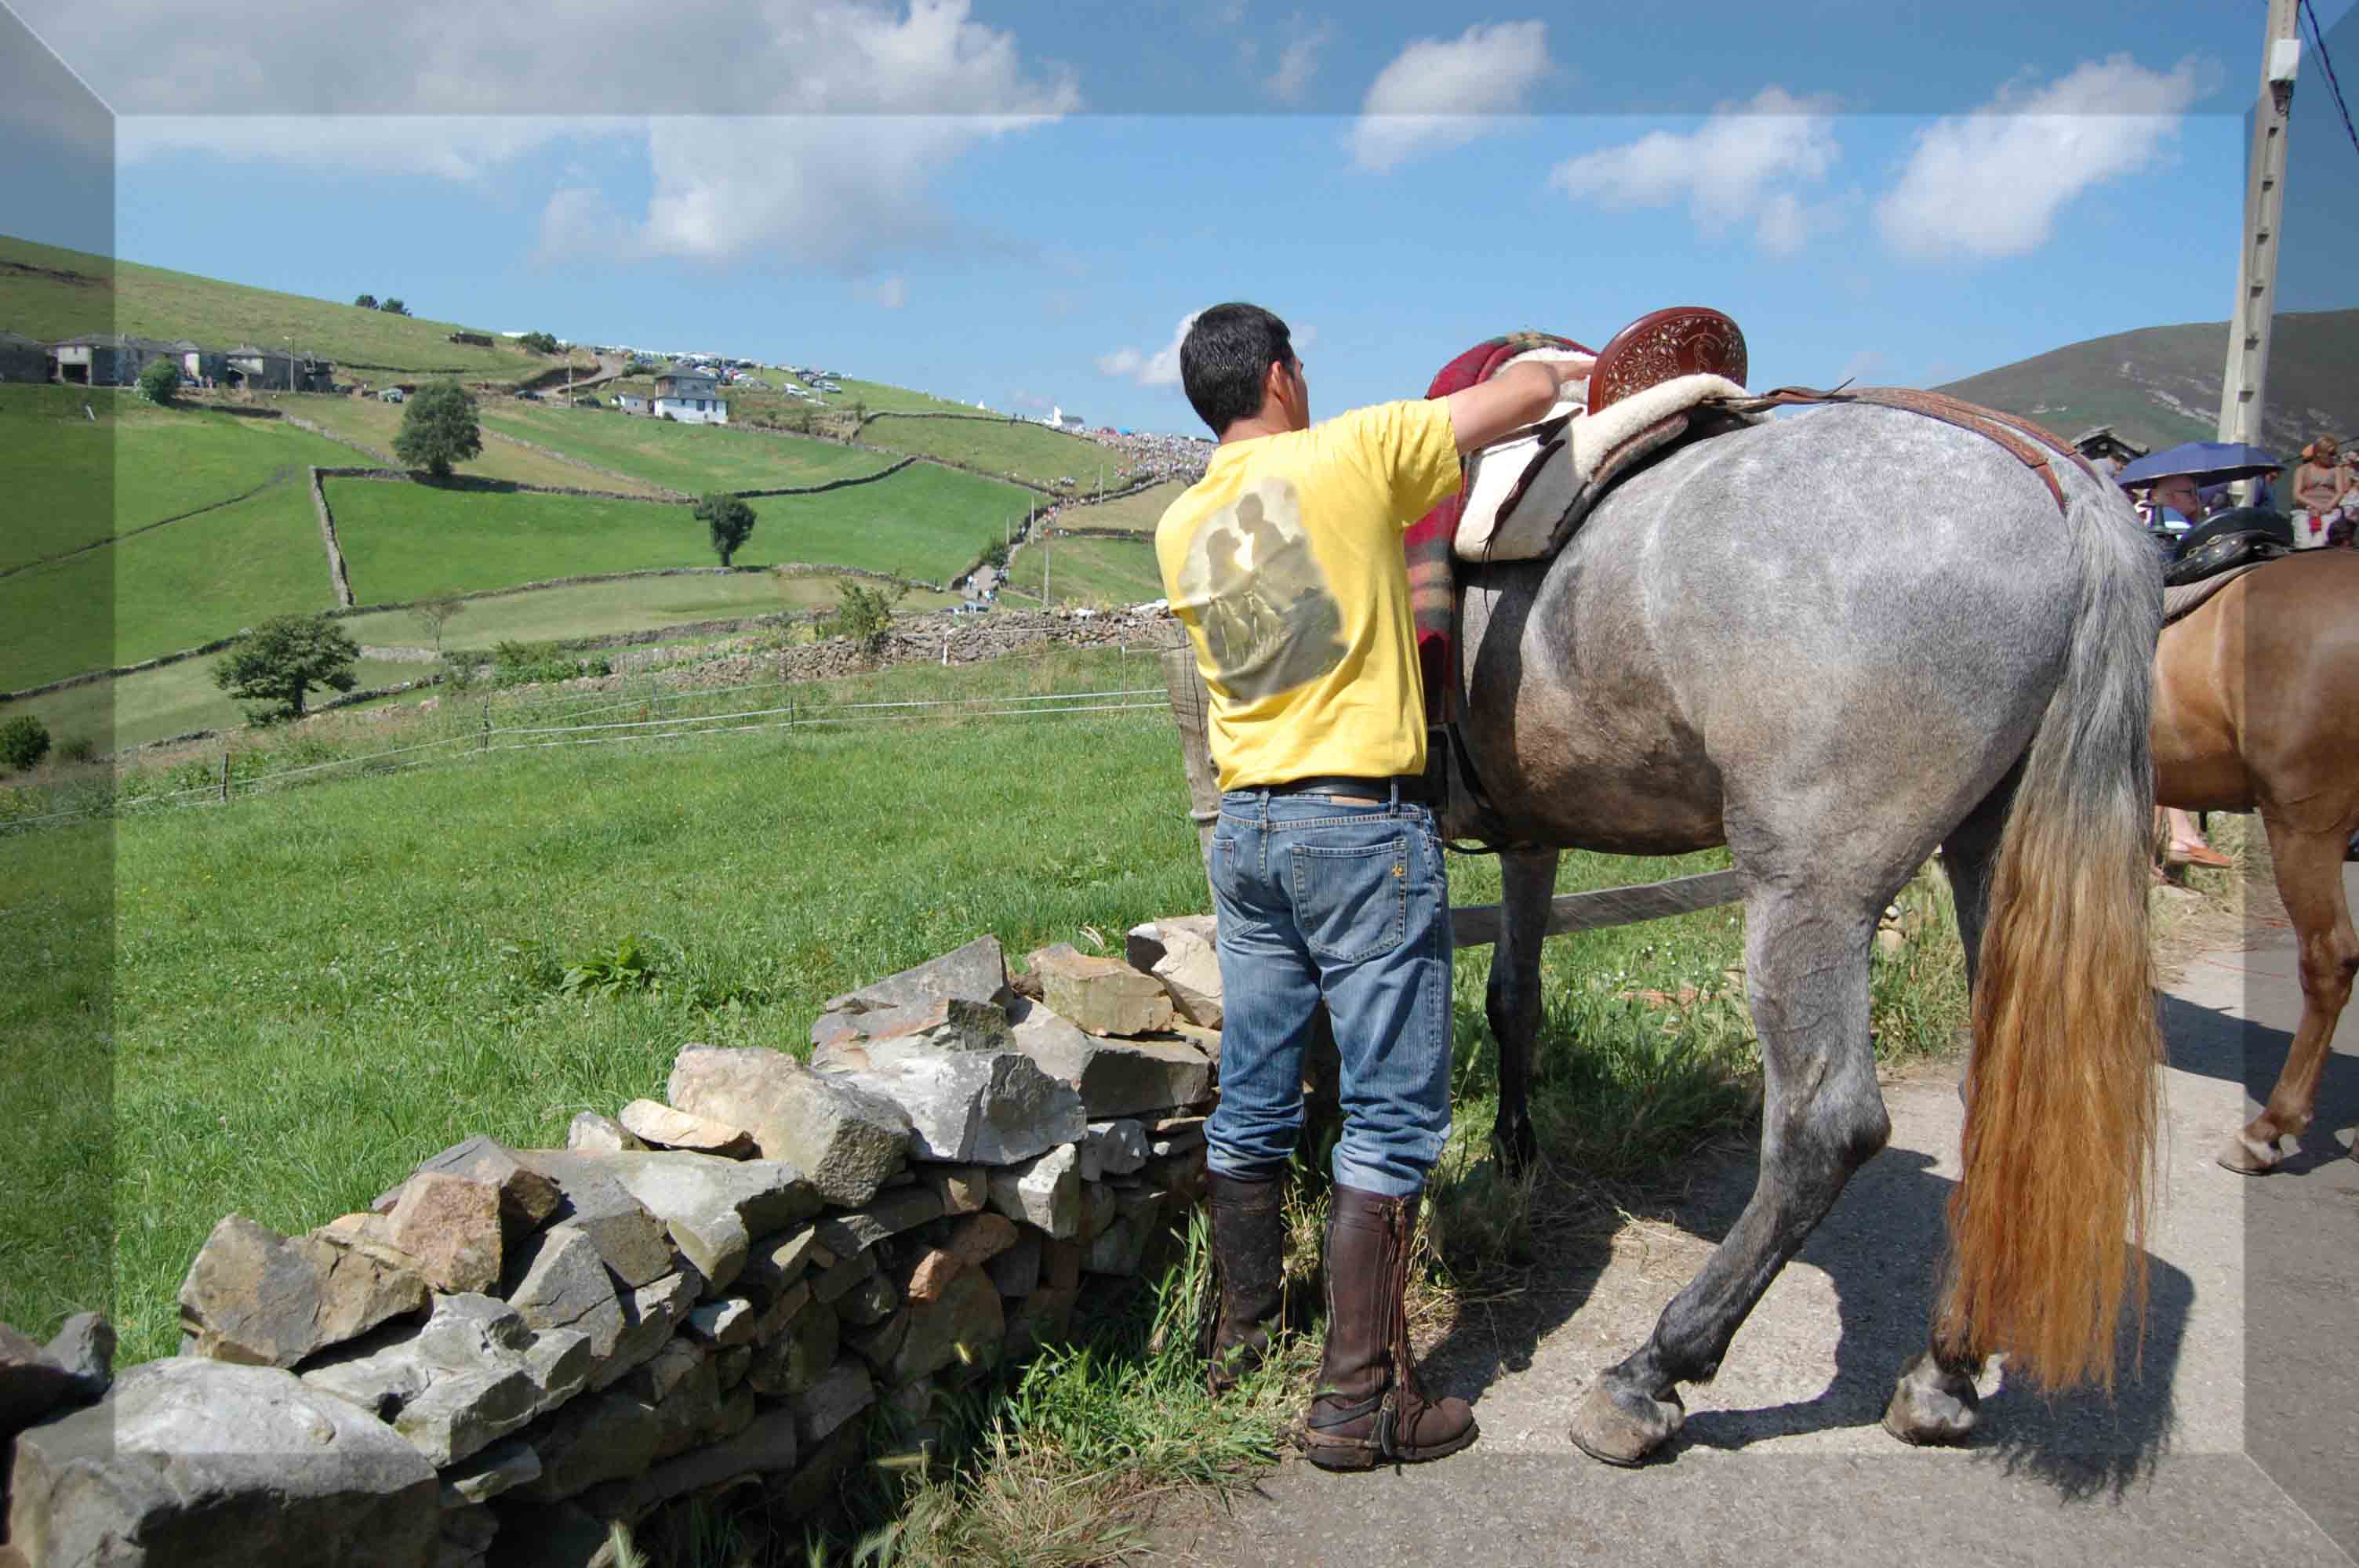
2239,1441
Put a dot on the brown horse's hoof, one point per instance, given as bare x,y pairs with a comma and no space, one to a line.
2249,1156
1931,1409
1620,1425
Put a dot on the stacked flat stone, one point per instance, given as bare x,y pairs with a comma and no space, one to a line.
515,1346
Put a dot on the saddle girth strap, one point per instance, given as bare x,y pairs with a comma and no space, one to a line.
2031,444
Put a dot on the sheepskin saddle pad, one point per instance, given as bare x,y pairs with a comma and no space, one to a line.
1668,374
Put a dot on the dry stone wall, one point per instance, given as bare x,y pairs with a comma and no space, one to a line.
514,1348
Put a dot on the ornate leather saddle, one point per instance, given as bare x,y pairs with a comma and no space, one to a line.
1645,390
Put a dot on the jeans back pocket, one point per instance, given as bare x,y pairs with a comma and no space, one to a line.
1352,902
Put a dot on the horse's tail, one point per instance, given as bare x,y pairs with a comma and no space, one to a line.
2047,1224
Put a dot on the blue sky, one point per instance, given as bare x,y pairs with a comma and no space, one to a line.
997,202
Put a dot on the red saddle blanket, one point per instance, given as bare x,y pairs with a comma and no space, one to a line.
1428,541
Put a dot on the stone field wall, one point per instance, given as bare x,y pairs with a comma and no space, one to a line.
756,1282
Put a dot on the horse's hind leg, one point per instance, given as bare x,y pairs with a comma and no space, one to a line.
2310,880
1935,1399
1526,881
1821,1118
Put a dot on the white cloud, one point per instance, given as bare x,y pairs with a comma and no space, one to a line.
1161,368
1441,93
1991,183
891,292
1297,63
860,104
1741,166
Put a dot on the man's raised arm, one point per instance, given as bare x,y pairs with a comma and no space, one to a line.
1519,395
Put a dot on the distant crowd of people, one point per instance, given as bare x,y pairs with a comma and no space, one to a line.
1160,457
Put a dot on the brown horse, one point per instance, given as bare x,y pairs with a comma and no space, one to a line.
2256,709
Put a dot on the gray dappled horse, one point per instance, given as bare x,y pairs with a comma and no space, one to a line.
1832,642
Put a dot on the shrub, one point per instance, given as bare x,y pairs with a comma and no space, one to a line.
439,428
521,664
864,613
276,666
367,301
995,552
160,380
539,342
393,307
80,748
24,741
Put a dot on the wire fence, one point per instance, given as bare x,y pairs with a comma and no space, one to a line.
473,745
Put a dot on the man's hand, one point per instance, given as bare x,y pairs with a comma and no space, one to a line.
1519,395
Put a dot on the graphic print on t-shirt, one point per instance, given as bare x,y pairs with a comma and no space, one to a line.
1271,622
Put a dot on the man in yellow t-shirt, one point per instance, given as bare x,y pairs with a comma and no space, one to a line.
1285,562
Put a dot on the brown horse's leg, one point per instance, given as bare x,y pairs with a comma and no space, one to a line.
2310,880
1527,882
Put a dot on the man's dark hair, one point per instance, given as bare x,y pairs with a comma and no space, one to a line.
1226,356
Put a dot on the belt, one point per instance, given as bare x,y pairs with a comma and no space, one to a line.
1412,787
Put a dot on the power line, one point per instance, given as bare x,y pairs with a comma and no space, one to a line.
2317,37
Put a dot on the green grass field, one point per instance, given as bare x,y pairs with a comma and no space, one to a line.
156,704
49,293
1102,573
1024,450
405,541
636,604
160,461
1138,513
375,423
924,521
168,589
691,458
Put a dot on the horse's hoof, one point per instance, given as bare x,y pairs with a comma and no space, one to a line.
1518,1147
1617,1423
1930,1407
2249,1156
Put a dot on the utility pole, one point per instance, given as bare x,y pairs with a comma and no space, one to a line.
2243,388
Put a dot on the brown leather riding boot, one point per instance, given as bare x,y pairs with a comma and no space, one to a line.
1248,1277
1369,1408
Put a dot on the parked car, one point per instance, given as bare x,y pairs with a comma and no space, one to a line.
587,402
394,395
529,397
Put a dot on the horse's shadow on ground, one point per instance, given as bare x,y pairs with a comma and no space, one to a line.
1881,1246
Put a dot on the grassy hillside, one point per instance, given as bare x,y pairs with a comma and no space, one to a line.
691,457
156,704
1101,572
2160,385
49,293
595,608
168,589
161,462
1139,513
1021,450
374,424
923,522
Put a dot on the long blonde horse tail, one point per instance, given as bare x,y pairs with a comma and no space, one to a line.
2047,1224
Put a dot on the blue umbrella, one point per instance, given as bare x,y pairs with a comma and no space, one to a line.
2211,461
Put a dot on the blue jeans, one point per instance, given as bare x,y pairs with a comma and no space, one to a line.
1320,897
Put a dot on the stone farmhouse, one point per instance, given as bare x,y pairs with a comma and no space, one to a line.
115,359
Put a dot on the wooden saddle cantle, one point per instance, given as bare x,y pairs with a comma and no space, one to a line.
1682,339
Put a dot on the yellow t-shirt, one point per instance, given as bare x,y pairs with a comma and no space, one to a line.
1284,562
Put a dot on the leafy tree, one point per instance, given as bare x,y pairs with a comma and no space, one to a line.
729,521
859,412
393,307
24,741
539,342
160,380
440,428
995,552
433,614
276,666
800,420
367,301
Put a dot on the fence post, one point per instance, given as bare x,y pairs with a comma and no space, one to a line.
484,744
225,784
